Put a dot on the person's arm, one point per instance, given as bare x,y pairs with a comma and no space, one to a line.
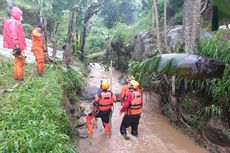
96,98
114,97
127,102
141,93
122,94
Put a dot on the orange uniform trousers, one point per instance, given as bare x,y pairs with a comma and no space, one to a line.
104,115
19,67
40,63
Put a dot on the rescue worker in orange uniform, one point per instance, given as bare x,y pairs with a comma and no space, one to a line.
104,100
125,89
14,38
132,108
38,48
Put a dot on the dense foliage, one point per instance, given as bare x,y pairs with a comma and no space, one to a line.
32,117
217,89
121,11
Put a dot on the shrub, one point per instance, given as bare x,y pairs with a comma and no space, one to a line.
32,117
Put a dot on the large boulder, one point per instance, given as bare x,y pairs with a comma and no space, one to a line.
216,132
144,45
145,42
175,39
89,92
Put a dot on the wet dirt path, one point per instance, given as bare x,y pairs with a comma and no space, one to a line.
156,135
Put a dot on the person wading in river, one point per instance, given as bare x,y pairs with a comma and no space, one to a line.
133,109
103,104
125,89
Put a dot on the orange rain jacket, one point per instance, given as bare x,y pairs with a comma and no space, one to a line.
13,32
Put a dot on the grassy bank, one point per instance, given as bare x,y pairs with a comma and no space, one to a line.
32,118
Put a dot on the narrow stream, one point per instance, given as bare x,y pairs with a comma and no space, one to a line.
156,135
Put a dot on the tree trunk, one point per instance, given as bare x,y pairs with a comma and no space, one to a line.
69,39
77,34
93,8
83,38
191,21
45,38
165,26
153,16
55,43
157,25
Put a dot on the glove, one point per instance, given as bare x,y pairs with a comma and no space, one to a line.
95,104
18,51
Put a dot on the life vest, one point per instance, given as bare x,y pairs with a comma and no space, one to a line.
105,100
135,106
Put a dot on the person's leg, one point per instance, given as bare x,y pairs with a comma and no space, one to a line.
105,117
16,65
39,55
124,125
89,123
40,66
19,68
135,123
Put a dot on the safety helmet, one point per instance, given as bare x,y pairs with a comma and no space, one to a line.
105,85
134,84
130,77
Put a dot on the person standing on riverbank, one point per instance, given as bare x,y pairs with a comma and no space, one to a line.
38,47
14,38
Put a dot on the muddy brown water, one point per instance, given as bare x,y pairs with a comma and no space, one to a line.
156,135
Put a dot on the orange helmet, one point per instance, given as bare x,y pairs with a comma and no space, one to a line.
105,85
130,77
134,84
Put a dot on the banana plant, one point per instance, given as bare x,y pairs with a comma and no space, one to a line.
189,66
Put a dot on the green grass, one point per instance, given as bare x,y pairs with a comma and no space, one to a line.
32,119
6,77
217,48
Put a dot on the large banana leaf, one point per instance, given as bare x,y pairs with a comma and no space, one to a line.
185,65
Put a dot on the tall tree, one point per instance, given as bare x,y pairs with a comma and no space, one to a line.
153,16
165,25
114,11
69,39
157,24
58,8
93,8
191,21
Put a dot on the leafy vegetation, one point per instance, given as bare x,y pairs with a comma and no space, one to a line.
218,90
121,11
214,101
32,117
